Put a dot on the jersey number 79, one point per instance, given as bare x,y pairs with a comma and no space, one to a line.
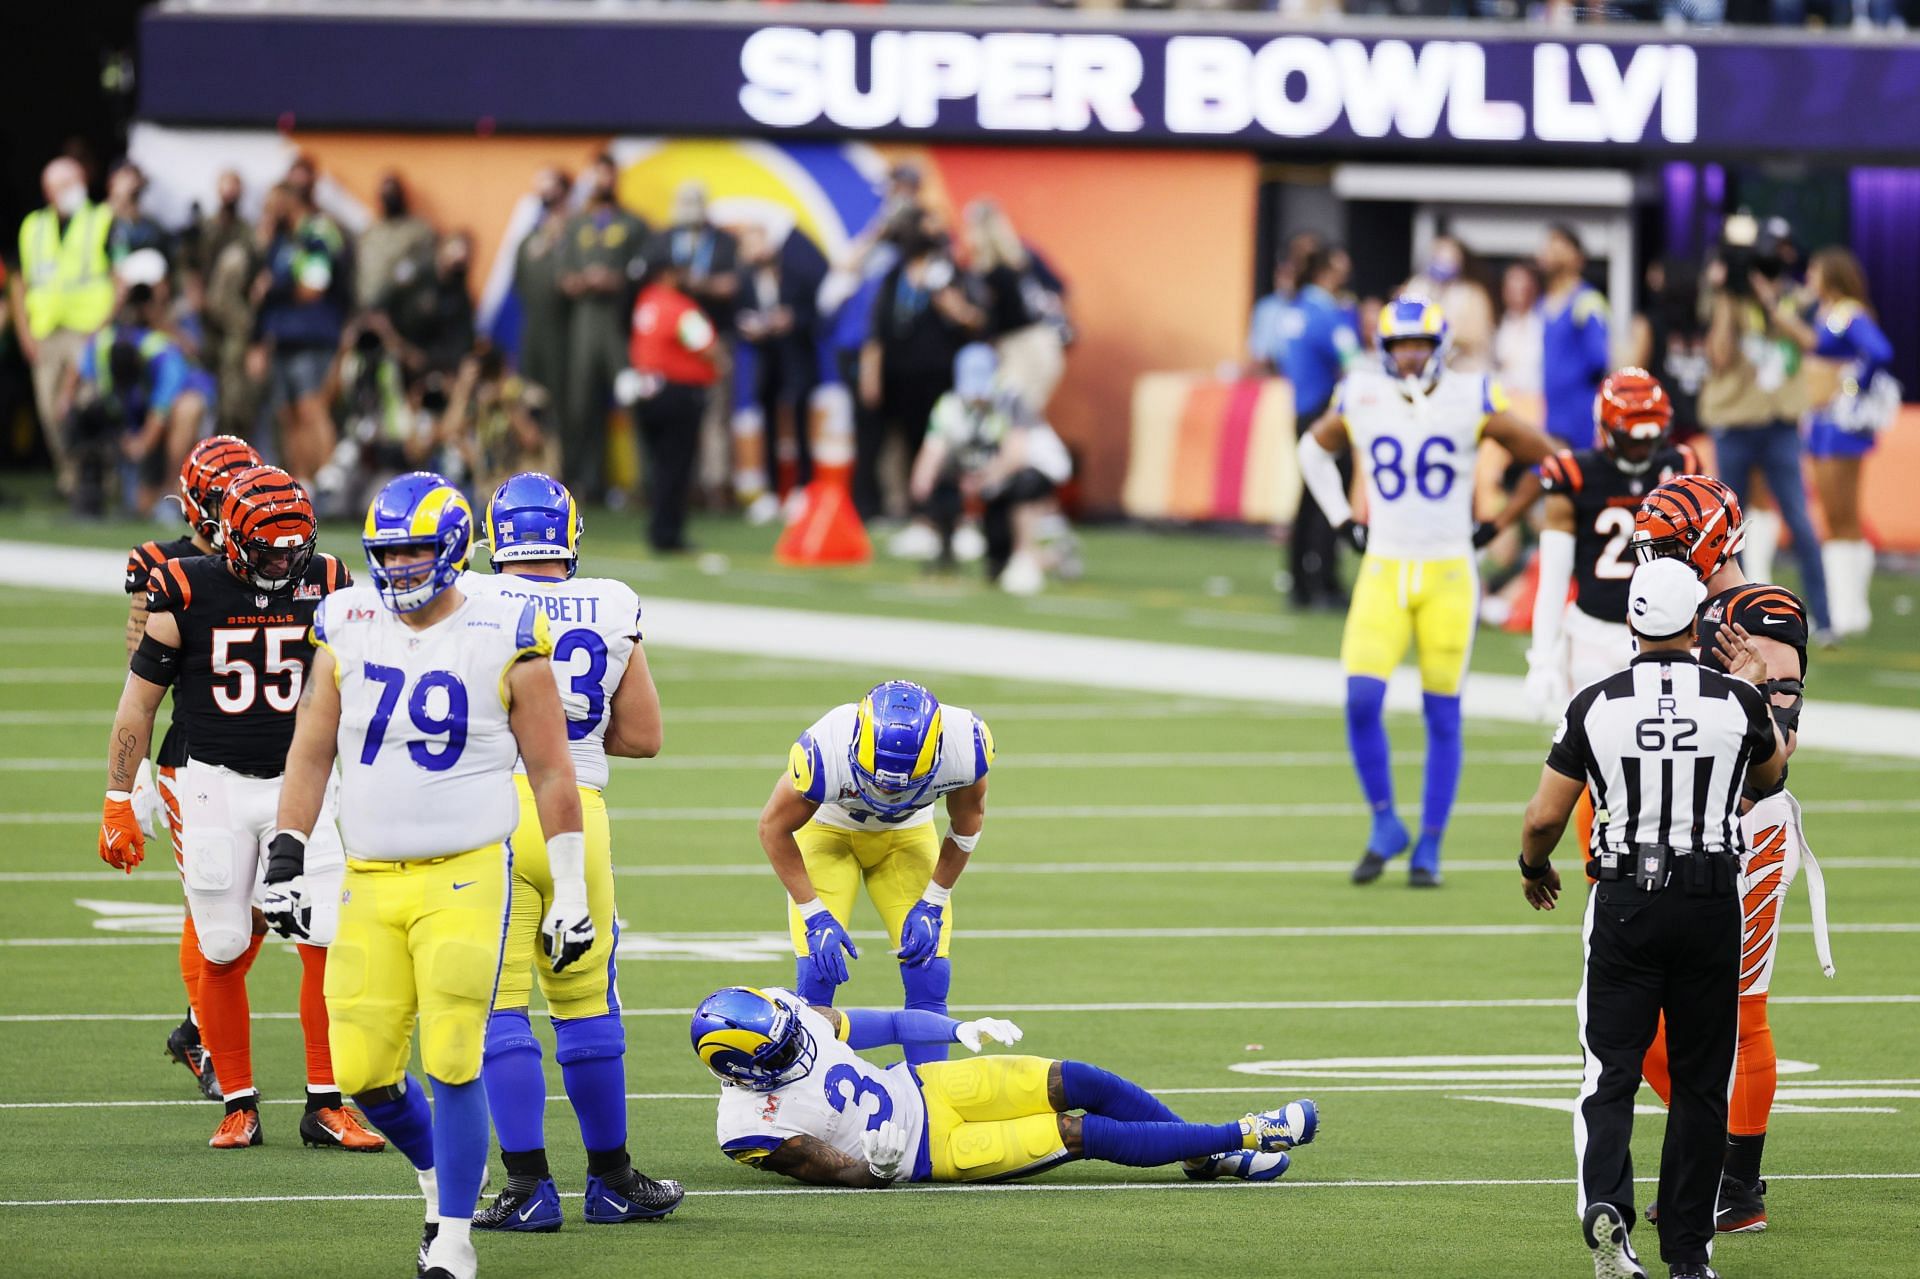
448,718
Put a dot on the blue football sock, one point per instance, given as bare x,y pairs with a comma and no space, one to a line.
406,1121
926,991
808,987
1372,760
1444,754
1149,1145
593,1067
1099,1092
459,1145
516,1084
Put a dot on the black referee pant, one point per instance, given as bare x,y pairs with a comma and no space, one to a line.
1647,953
670,430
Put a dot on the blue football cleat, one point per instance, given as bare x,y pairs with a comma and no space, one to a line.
535,1211
1294,1124
639,1198
1240,1165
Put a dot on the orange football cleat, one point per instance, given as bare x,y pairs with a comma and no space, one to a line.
340,1128
238,1130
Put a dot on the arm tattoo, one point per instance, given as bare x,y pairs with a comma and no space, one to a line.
813,1161
125,760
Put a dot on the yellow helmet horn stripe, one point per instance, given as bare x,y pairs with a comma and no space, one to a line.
928,749
426,520
715,1042
863,735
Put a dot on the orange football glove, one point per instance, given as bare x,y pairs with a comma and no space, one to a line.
123,845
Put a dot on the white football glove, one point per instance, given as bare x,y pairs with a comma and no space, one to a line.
886,1150
1547,689
971,1034
567,932
145,798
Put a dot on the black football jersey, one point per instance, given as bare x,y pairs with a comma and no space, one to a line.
1604,498
141,561
1763,609
244,657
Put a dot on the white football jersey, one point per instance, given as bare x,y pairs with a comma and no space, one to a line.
596,624
820,766
1418,453
841,1097
425,749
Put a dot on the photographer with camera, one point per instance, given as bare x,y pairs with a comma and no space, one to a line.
499,422
1752,399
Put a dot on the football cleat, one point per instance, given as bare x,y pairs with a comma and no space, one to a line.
636,1198
183,1045
1239,1165
1294,1124
1693,1270
450,1258
1742,1210
238,1129
1421,877
427,1236
339,1128
1605,1230
535,1211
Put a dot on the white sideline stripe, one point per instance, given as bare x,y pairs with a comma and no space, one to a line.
756,870
1089,812
1227,1006
1276,932
1000,1188
1043,657
1788,1092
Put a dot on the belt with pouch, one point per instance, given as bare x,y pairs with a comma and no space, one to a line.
1654,867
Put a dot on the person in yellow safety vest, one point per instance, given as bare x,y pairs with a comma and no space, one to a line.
62,294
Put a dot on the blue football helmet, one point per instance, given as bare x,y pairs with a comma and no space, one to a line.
417,510
896,745
533,517
1412,317
748,1038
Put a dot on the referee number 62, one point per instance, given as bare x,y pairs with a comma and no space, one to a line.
1654,735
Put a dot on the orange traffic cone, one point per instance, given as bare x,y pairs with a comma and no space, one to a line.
827,529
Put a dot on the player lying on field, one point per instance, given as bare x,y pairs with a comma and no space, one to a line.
799,1100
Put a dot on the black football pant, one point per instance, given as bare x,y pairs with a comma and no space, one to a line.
670,429
1649,953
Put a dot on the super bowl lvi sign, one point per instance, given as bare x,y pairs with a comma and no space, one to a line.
1289,87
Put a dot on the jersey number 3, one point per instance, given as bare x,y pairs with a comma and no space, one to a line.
435,757
590,683
276,678
857,1086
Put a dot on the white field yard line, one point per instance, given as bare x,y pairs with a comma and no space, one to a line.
634,943
1091,812
923,1188
757,870
999,651
1170,1006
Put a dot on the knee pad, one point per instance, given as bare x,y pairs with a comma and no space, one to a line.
452,1046
927,985
1442,711
508,1031
586,1038
222,945
1366,699
809,987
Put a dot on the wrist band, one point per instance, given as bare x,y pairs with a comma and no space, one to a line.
809,907
936,895
1534,872
965,843
120,796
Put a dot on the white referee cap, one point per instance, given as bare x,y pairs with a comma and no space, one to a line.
1663,598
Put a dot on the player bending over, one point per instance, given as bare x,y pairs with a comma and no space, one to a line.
797,1099
1418,428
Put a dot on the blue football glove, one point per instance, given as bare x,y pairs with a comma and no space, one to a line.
920,934
826,939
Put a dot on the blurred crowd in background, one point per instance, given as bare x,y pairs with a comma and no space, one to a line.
350,358
1727,338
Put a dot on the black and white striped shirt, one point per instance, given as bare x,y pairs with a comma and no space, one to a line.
1665,746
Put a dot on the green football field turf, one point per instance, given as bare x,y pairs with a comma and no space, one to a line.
1209,927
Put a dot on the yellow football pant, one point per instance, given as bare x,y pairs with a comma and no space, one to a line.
586,988
1432,603
989,1118
416,940
895,864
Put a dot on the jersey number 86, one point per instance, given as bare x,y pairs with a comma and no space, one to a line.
1433,471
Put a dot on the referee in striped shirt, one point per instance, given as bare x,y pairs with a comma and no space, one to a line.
1665,746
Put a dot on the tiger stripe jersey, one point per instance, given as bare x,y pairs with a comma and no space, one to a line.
1604,499
1770,612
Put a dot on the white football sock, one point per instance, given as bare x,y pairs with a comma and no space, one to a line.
430,1190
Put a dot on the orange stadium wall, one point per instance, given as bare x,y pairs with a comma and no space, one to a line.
1156,246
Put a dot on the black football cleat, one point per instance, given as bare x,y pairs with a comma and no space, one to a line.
1693,1270
427,1236
1605,1230
183,1045
1421,877
1743,1208
534,1209
1369,868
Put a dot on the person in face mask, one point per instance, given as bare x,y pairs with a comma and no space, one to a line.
536,282
394,249
432,313
1450,279
212,232
62,293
